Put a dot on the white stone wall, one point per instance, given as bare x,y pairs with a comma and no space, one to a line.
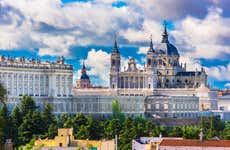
39,82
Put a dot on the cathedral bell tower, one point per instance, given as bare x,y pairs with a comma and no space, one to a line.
151,66
150,56
115,62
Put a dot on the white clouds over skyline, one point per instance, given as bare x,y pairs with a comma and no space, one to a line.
51,28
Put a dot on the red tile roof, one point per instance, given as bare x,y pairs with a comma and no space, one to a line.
196,143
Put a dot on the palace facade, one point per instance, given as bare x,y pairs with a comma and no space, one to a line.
162,88
39,79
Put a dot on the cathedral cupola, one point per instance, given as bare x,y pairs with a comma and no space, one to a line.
83,81
165,47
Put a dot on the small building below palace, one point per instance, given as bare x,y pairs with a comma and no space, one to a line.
148,143
65,140
185,144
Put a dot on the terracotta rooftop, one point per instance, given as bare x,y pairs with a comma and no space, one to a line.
196,143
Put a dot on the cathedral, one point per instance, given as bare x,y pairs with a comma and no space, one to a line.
162,69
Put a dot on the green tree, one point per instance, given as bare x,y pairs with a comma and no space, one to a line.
47,116
31,126
27,105
63,119
191,132
176,131
52,131
79,120
16,122
113,128
227,131
95,128
4,113
2,129
158,130
117,111
127,134
2,93
83,132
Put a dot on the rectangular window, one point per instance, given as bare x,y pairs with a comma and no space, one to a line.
157,106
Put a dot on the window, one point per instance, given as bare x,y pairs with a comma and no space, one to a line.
113,62
157,106
149,62
149,106
165,106
149,86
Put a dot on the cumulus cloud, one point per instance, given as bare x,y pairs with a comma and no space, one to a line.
220,73
142,50
53,27
99,63
172,10
227,85
204,38
191,63
47,24
142,34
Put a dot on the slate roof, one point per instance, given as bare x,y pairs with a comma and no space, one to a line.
187,73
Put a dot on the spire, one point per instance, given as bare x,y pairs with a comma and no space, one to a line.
115,48
83,70
165,34
151,44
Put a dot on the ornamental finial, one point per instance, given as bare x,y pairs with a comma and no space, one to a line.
165,34
151,44
115,48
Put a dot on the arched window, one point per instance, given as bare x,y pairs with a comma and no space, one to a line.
113,62
160,62
149,62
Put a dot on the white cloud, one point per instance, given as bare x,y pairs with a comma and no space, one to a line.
204,38
227,85
191,63
142,34
44,23
99,64
142,50
220,73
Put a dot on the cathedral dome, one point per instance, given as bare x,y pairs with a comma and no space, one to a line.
84,77
165,47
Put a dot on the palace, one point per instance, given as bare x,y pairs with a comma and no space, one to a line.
162,88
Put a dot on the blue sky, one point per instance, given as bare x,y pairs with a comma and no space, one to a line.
85,29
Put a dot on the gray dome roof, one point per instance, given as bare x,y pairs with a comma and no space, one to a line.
84,77
166,48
